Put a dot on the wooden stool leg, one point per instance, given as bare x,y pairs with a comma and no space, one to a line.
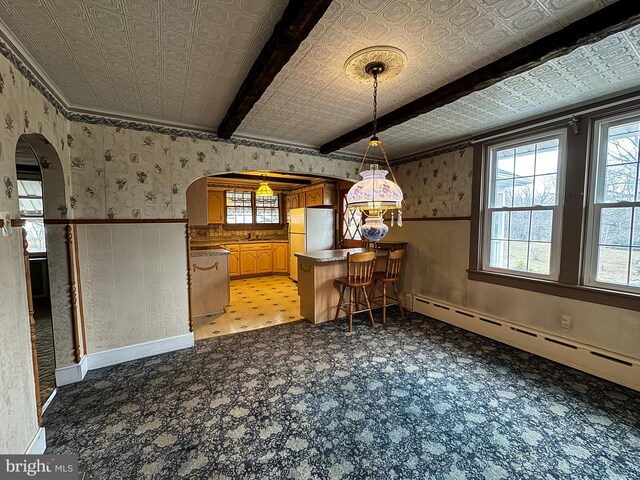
384,303
395,290
340,302
351,300
366,299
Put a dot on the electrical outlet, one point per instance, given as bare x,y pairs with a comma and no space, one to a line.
565,321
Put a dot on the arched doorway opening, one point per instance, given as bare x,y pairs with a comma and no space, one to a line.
261,234
41,197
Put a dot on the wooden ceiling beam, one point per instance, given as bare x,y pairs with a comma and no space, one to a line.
608,20
296,23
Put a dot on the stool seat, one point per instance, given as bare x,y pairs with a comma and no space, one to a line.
350,282
382,277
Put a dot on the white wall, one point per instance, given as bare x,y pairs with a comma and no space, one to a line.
134,282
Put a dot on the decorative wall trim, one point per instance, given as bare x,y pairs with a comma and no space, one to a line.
434,152
72,373
93,221
144,126
140,350
596,361
434,219
39,443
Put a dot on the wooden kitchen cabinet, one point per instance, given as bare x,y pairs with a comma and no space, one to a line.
302,199
280,257
204,205
215,204
248,263
314,197
234,264
263,261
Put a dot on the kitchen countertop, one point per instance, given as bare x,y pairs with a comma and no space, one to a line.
334,255
209,252
197,242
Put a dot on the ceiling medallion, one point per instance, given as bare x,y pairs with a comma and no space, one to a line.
393,59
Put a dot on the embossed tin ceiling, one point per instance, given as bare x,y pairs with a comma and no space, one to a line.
181,62
178,61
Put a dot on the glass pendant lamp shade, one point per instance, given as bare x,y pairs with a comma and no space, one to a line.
374,193
264,190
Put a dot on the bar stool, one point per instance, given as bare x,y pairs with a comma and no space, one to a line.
359,275
390,275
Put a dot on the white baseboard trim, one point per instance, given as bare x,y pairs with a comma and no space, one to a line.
39,443
140,350
72,373
49,400
587,358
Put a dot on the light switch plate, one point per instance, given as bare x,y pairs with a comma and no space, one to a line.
6,229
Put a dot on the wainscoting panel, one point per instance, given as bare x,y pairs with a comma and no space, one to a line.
134,283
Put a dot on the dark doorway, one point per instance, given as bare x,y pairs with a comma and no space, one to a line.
31,199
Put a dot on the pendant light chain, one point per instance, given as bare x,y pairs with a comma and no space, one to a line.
375,104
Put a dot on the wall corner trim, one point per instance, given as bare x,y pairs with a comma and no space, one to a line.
140,350
72,373
39,443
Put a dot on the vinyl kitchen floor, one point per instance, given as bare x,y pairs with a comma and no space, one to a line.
255,303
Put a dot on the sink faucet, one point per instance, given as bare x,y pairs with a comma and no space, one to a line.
249,235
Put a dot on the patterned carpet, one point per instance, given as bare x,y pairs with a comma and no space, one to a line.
415,399
44,345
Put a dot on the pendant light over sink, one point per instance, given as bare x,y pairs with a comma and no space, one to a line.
264,190
376,195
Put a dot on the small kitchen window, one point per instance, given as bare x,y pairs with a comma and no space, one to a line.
245,208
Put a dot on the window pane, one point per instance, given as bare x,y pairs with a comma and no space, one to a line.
29,188
539,257
504,163
613,264
499,225
35,235
503,193
615,226
622,143
525,160
634,270
545,190
499,254
523,192
636,228
31,207
541,225
620,183
518,255
519,225
547,156
267,209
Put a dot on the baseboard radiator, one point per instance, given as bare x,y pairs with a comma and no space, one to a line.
599,362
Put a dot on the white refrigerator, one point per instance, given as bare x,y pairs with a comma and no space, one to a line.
310,229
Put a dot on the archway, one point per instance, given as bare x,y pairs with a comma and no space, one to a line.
41,195
261,234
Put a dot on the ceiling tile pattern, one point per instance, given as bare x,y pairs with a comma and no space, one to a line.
312,101
180,61
603,68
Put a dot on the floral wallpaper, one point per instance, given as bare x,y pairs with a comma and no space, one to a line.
123,173
439,186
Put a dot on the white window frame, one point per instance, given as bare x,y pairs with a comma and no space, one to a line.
489,184
596,178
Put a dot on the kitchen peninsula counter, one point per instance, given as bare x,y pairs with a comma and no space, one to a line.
316,274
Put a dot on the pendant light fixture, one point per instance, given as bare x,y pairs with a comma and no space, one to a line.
376,195
264,190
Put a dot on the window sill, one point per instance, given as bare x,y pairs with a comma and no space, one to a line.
253,226
602,296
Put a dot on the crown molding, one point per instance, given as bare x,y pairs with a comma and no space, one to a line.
24,63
